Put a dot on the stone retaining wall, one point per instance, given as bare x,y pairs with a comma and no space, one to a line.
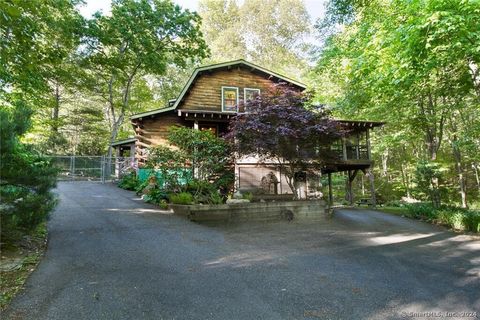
256,211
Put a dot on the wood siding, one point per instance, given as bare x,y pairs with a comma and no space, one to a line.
206,92
152,131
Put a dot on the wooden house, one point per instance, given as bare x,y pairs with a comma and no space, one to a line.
210,99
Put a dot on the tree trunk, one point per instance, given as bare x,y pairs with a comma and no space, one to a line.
385,163
291,184
363,185
55,110
113,136
460,171
475,73
405,180
476,167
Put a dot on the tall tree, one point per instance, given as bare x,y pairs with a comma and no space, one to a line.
221,23
412,64
30,48
271,33
139,38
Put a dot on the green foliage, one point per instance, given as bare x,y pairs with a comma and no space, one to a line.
281,127
216,198
248,196
163,204
395,204
454,217
172,164
36,38
129,181
181,198
156,196
138,39
25,177
427,175
204,191
413,64
141,186
270,33
209,155
423,211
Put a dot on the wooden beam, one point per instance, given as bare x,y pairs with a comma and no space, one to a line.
353,175
344,148
349,187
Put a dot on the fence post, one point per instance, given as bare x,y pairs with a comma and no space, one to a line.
102,165
73,167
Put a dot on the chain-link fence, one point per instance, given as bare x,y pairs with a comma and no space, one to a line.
92,168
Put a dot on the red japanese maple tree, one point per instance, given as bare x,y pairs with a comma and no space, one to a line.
280,126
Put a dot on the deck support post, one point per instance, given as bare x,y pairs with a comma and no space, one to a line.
330,192
351,176
348,189
369,152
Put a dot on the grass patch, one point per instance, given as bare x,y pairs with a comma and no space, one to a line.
401,211
19,259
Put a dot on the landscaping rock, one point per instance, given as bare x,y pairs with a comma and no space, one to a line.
230,201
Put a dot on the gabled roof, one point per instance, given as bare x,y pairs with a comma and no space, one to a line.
123,142
228,64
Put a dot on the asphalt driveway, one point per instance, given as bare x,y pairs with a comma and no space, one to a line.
111,256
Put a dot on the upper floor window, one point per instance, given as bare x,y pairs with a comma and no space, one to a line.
250,94
229,99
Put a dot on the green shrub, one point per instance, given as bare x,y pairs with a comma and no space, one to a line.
471,221
460,219
216,198
26,177
23,208
248,196
181,198
396,204
454,217
141,186
423,211
155,196
129,181
450,218
163,204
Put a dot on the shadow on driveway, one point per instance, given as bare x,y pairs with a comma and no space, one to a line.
111,256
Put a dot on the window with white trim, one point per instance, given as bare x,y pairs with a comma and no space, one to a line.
229,99
250,94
